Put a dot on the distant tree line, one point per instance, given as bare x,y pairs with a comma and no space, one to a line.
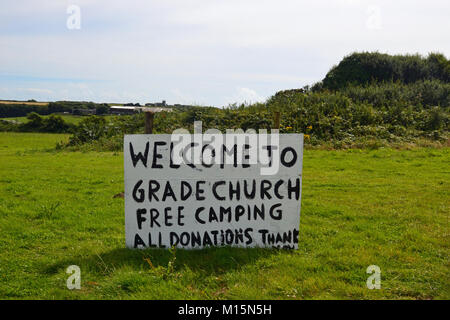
21,110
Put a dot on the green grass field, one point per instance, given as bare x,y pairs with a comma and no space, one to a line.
72,119
359,207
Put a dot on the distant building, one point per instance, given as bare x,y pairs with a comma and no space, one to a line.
124,110
132,110
157,104
156,109
132,104
163,104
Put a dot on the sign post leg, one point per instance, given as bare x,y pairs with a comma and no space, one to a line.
276,121
149,122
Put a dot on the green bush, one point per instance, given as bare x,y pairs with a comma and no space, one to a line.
89,129
369,67
51,124
326,117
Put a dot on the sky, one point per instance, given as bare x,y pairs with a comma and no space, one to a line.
204,52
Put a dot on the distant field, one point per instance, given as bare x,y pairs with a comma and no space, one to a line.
359,207
24,102
68,118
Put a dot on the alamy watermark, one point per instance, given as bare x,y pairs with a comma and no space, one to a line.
74,280
374,21
374,281
74,20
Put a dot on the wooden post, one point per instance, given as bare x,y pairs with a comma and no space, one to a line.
149,122
276,121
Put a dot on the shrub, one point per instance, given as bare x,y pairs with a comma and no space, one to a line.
54,124
36,123
368,67
89,129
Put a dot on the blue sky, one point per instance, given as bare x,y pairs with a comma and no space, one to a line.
209,52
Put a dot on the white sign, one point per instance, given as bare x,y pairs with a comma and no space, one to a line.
239,192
